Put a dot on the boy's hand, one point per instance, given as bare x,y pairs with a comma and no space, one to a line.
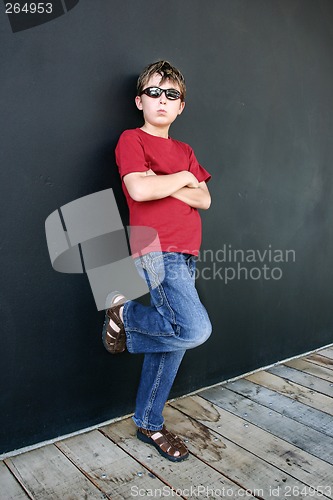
193,181
195,198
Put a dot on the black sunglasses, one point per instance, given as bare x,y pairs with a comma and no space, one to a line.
155,92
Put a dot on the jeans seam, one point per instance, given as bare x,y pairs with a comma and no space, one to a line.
152,335
154,390
166,303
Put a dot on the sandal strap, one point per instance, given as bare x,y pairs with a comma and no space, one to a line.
114,341
113,314
167,442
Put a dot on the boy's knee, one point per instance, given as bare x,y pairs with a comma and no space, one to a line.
206,330
200,332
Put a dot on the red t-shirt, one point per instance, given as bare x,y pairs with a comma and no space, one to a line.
178,225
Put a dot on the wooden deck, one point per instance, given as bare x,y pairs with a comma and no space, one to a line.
267,435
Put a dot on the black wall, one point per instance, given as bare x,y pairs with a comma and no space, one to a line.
258,115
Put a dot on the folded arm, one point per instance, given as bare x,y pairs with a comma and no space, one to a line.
146,186
184,186
196,198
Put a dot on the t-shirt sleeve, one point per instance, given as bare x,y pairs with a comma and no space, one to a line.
197,170
130,156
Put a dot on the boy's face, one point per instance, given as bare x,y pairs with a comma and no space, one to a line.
160,111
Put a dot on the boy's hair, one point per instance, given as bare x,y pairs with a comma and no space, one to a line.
167,72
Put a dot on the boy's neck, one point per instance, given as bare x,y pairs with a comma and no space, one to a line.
157,131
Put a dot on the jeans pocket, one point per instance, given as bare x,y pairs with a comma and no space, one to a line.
192,264
154,271
139,267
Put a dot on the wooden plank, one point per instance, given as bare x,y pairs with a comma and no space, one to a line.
328,352
293,391
108,466
320,360
300,412
47,473
310,440
187,478
232,460
10,489
304,379
306,366
301,465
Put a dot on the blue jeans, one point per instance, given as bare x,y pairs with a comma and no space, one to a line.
175,321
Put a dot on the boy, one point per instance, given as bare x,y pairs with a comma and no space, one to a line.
164,186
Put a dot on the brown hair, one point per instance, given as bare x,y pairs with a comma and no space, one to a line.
167,72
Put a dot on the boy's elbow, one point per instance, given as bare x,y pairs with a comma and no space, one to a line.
206,203
136,186
134,189
135,195
138,194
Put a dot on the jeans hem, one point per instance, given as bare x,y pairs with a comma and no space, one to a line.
147,426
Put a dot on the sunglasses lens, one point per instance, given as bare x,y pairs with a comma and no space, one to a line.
153,92
172,94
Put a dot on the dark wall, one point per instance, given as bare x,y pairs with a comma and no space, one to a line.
259,117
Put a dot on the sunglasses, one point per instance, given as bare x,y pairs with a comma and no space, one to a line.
156,92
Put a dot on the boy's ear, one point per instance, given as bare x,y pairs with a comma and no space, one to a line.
138,102
181,107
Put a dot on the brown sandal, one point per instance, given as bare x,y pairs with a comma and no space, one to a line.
167,444
114,341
